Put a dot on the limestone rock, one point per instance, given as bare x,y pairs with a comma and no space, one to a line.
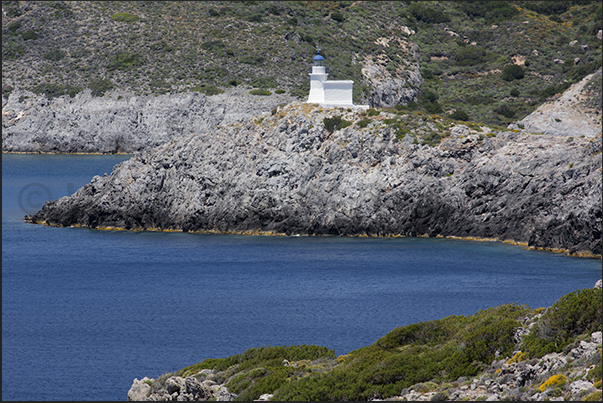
565,116
120,122
139,390
287,174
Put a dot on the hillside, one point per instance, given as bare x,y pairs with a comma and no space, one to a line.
510,352
494,61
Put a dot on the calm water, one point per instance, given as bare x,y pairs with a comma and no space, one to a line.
85,312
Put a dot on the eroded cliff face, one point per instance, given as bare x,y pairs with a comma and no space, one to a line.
285,173
120,122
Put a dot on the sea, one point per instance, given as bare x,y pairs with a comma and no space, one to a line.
85,312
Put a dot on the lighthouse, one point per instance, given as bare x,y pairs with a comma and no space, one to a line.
325,92
318,75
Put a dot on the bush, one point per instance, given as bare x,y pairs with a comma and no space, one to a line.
512,72
54,55
505,111
572,315
364,122
459,115
469,56
335,123
514,92
372,112
337,16
125,17
56,90
14,26
426,14
433,107
125,61
489,10
260,92
29,34
100,86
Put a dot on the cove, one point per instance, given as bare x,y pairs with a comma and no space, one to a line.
84,312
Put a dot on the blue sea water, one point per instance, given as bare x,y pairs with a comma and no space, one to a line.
84,312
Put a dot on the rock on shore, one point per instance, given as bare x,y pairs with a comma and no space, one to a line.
120,122
285,173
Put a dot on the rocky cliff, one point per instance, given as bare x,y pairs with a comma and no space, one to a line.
286,173
120,122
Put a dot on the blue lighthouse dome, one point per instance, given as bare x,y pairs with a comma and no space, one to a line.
318,60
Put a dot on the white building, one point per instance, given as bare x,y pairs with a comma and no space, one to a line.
328,93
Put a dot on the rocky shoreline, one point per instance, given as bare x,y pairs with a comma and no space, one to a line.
285,173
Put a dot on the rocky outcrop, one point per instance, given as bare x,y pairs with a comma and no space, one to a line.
391,88
513,378
198,387
567,115
120,122
285,173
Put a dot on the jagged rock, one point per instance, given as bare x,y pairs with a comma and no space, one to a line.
174,384
139,390
287,174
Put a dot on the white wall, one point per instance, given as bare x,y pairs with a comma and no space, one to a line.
338,92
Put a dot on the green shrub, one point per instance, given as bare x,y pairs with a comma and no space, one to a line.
595,374
29,35
6,90
505,111
364,122
335,123
125,61
514,92
489,10
100,86
125,17
54,55
13,26
52,90
279,91
372,112
469,56
433,107
554,89
260,92
573,314
426,14
337,16
512,72
459,115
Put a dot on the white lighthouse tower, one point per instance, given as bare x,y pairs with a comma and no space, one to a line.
318,75
329,93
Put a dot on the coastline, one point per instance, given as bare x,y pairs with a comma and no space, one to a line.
581,254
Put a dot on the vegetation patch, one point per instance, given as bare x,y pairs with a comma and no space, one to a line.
125,17
259,91
335,123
